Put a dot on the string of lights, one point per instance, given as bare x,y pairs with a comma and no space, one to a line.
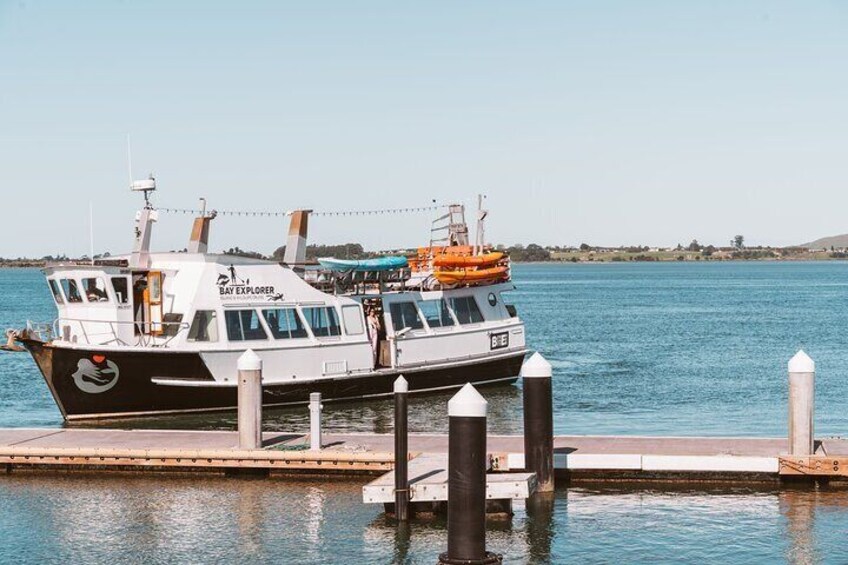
265,213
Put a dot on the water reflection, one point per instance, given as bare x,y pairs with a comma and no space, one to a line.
427,413
104,519
808,512
540,525
250,515
402,538
314,515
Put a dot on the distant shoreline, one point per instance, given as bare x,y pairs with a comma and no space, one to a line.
667,261
579,261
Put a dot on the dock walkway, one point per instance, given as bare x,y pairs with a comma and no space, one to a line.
581,457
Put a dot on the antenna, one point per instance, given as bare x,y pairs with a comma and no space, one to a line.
129,160
91,230
146,186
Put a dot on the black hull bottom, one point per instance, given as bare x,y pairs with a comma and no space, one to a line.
92,384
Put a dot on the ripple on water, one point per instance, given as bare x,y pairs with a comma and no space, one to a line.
636,349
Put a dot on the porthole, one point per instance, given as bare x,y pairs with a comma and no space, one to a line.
493,300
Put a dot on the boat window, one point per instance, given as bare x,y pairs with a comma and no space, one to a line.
57,294
323,320
436,313
284,323
352,316
204,326
243,325
466,310
155,286
95,289
405,315
121,288
71,290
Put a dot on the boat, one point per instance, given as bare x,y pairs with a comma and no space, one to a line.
386,263
152,333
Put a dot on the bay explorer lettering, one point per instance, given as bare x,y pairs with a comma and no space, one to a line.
245,290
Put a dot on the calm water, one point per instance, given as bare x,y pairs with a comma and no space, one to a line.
683,349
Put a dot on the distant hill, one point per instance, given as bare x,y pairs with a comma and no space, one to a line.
837,241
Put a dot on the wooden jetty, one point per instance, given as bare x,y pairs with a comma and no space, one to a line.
575,457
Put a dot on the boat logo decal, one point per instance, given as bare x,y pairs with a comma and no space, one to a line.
96,375
233,287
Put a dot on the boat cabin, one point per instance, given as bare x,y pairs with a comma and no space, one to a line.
220,305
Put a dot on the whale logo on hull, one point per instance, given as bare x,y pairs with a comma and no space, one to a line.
96,375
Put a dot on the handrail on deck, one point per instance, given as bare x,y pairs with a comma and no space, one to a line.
143,337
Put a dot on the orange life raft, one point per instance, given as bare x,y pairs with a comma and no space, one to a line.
463,261
492,274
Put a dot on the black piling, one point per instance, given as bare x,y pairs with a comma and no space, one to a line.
467,481
536,376
401,389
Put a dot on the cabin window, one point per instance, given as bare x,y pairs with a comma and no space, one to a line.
155,286
204,326
57,294
405,315
466,310
95,289
323,320
284,323
352,316
72,293
243,325
436,313
121,288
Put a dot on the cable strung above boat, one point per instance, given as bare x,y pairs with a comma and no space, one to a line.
259,213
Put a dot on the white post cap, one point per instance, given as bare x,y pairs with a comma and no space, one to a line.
401,385
536,366
802,363
249,361
467,402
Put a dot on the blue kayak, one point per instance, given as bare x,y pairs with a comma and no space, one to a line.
387,263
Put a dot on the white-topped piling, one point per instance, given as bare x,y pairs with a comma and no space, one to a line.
467,480
250,400
537,383
315,408
802,396
401,392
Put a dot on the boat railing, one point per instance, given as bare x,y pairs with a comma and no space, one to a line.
143,331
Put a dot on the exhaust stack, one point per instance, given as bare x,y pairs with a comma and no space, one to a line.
199,240
295,255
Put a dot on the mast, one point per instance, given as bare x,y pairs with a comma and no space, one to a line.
454,224
144,218
480,239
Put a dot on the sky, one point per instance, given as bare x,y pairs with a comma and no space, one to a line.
611,123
